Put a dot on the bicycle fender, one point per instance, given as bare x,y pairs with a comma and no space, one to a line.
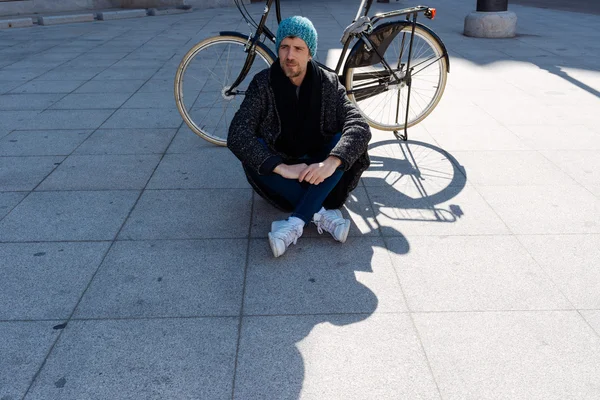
246,37
381,37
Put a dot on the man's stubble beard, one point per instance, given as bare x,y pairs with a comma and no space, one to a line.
290,73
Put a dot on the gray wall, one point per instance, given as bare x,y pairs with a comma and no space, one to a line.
54,6
48,6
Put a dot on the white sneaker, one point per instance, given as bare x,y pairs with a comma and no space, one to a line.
283,233
332,221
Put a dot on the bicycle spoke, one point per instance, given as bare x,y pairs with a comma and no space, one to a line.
205,108
390,108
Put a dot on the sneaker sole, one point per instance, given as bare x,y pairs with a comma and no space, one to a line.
346,231
274,246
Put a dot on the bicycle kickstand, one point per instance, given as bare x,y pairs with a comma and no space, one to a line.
401,136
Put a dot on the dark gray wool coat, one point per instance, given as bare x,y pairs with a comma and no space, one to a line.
258,118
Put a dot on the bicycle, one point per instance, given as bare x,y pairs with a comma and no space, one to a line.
387,63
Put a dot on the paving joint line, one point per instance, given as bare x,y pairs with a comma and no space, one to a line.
241,312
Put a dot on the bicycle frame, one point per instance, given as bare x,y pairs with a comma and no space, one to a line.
360,28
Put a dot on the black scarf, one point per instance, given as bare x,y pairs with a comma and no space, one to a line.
300,116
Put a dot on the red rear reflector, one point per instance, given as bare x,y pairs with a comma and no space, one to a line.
432,11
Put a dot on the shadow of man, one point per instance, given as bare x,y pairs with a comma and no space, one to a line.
297,309
321,284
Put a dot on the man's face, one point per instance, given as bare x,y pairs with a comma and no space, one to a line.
293,57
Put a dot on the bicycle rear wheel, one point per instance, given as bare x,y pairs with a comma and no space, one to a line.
382,97
204,75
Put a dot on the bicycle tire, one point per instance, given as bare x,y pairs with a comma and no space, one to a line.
373,107
202,85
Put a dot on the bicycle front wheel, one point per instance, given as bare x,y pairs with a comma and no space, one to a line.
382,97
203,77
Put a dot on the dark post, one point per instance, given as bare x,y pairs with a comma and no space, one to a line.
492,5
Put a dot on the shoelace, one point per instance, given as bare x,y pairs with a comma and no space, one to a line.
289,234
327,224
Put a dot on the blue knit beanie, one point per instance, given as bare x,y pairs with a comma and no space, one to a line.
299,27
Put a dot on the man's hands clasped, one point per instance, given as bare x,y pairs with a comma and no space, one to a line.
313,173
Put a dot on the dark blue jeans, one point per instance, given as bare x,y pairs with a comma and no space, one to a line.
306,198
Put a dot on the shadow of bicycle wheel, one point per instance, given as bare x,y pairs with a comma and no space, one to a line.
421,178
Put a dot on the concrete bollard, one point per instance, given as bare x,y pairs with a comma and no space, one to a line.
491,20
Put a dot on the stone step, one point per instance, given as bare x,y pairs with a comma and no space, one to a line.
122,14
65,19
15,23
168,11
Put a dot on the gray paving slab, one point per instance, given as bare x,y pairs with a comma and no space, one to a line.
151,100
144,118
8,85
98,54
515,168
136,63
127,141
28,101
11,120
23,74
34,273
176,358
332,356
168,279
547,209
593,318
68,119
87,61
595,189
54,216
190,214
475,138
154,85
42,143
83,101
120,73
448,113
25,173
211,168
24,346
41,86
186,141
129,86
473,273
8,200
54,54
511,354
102,172
465,212
322,277
68,73
148,54
550,137
582,165
570,261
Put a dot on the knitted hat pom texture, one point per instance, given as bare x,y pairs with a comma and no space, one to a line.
300,27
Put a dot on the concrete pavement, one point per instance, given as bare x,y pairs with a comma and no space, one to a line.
134,258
